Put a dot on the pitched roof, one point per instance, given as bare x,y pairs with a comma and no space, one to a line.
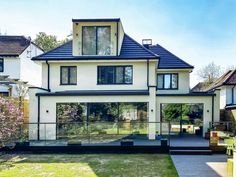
228,78
13,45
130,50
167,59
201,87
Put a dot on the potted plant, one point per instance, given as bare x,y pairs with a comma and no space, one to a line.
207,134
158,136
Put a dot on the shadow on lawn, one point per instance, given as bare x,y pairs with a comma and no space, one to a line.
96,164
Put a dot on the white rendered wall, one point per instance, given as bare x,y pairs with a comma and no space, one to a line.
30,71
183,82
87,76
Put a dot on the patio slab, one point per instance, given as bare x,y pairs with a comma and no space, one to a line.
200,165
188,141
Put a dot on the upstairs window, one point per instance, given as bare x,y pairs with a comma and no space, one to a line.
167,81
1,65
115,74
68,75
96,40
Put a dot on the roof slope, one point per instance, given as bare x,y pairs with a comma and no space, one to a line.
130,50
228,78
201,87
167,59
13,45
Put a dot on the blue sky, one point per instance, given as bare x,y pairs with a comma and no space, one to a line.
198,31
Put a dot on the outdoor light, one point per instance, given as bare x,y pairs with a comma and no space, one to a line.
47,111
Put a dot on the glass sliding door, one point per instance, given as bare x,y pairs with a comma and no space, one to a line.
184,118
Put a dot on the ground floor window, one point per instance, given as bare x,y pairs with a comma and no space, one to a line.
184,118
75,119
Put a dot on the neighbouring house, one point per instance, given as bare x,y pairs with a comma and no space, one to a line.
227,86
16,64
105,78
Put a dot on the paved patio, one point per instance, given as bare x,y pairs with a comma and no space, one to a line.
188,141
200,165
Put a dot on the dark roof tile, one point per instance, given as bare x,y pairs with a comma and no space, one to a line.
130,50
167,59
13,45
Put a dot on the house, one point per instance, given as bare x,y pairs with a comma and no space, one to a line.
16,64
105,78
226,84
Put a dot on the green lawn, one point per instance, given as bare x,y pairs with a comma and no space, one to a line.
87,165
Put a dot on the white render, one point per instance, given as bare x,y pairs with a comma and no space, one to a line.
23,68
226,96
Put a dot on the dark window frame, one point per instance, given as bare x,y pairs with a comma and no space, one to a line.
163,84
2,61
115,66
69,68
96,42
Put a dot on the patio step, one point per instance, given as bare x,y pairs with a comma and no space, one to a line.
191,152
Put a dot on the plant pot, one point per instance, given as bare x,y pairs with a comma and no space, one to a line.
207,135
164,142
158,137
127,143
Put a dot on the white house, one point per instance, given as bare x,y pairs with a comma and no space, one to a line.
16,64
106,76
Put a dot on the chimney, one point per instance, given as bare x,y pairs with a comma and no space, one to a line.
146,43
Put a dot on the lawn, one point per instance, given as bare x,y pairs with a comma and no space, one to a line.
87,165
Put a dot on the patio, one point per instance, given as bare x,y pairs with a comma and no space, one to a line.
188,140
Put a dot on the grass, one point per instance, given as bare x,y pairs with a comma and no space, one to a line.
87,165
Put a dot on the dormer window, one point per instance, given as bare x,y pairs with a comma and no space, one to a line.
96,40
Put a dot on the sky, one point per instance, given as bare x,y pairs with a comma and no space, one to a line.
197,31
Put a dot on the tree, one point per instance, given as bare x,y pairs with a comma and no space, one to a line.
46,42
11,117
210,72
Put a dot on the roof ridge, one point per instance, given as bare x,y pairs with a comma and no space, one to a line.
52,50
149,51
173,54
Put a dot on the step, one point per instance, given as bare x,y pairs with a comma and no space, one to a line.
191,152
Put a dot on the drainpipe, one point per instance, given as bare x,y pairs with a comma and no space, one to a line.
38,117
48,75
212,104
148,73
233,94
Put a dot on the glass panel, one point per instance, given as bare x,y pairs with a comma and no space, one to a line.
103,41
89,40
160,81
64,75
174,81
128,75
73,75
110,75
119,75
167,81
